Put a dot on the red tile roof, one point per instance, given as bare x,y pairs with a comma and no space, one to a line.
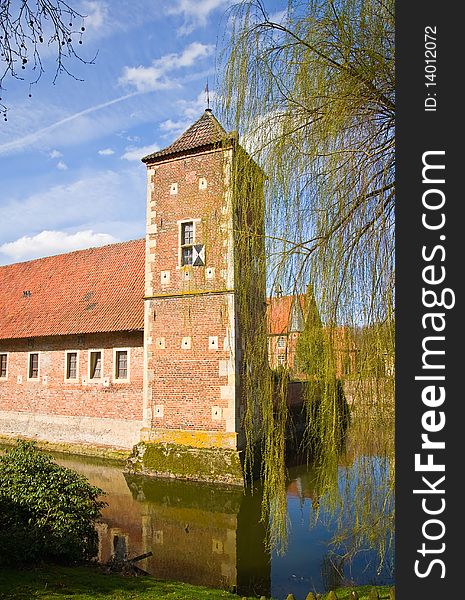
88,291
206,131
280,313
279,309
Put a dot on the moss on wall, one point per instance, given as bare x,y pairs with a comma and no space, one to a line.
175,461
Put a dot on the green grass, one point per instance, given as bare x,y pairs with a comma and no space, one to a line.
90,583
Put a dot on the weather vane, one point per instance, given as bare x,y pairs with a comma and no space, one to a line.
207,96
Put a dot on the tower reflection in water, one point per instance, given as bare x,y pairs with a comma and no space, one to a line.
198,533
203,534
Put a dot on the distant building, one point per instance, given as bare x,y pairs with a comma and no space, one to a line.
285,323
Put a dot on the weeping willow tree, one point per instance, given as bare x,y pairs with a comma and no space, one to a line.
310,90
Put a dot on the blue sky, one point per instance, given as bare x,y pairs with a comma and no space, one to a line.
70,170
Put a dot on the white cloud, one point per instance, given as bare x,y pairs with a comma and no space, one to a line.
136,153
47,243
175,127
62,166
105,200
195,12
158,75
106,152
96,14
55,154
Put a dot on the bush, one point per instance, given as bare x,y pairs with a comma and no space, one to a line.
47,512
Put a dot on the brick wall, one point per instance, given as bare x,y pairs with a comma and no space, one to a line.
190,309
51,394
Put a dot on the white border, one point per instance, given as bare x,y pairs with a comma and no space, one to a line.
7,366
120,379
89,378
71,379
194,222
29,364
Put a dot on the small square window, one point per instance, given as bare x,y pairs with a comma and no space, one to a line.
3,365
95,364
71,365
33,369
121,364
281,359
281,342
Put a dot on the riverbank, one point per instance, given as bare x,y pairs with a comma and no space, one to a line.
91,583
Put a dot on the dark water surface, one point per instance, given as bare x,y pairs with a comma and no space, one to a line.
212,535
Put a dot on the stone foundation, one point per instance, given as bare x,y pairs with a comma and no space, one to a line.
175,461
117,433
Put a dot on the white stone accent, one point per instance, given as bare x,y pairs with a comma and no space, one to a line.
226,368
213,342
217,546
19,379
160,343
165,277
186,343
202,183
227,392
159,411
210,273
217,413
173,189
152,229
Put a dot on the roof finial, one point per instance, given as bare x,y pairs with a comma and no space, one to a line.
207,97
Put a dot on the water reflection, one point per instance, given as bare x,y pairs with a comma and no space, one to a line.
198,533
212,535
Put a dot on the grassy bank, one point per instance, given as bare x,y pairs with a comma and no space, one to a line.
87,583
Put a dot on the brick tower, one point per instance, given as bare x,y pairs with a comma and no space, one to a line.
192,326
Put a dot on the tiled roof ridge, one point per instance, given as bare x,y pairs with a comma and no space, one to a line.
206,131
82,250
94,290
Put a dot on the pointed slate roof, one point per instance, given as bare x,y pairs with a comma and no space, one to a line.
87,291
205,132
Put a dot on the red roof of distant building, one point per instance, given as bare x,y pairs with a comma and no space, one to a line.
88,291
282,314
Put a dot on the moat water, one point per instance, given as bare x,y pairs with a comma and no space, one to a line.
212,535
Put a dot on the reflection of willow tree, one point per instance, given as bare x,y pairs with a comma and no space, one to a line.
311,90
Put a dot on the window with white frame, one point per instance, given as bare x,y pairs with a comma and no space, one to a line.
3,365
121,364
95,364
187,243
281,359
71,365
33,365
281,342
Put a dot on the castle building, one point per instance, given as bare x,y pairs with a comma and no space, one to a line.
141,340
